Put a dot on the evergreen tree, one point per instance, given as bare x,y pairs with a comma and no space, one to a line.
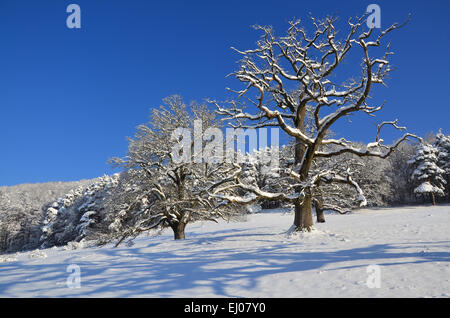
427,175
442,143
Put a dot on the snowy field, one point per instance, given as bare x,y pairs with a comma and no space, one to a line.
256,258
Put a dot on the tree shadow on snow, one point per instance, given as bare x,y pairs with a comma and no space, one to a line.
131,272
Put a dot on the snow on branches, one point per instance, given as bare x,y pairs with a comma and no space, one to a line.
290,82
164,191
442,143
428,175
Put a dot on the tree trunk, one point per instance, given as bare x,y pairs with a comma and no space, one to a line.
298,214
448,189
178,231
303,219
433,199
179,226
319,210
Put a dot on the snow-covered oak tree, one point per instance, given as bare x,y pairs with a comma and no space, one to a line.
296,79
162,190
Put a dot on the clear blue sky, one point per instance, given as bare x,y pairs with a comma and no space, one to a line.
69,97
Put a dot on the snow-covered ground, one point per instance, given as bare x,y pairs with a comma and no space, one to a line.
256,258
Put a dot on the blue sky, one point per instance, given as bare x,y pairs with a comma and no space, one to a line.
69,97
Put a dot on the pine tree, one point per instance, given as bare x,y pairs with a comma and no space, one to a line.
442,143
428,176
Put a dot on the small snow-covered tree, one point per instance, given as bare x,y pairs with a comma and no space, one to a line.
166,191
427,175
295,80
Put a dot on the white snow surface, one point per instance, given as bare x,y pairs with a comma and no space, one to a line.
256,258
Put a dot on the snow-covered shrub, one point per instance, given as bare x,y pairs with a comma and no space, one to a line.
37,254
8,258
